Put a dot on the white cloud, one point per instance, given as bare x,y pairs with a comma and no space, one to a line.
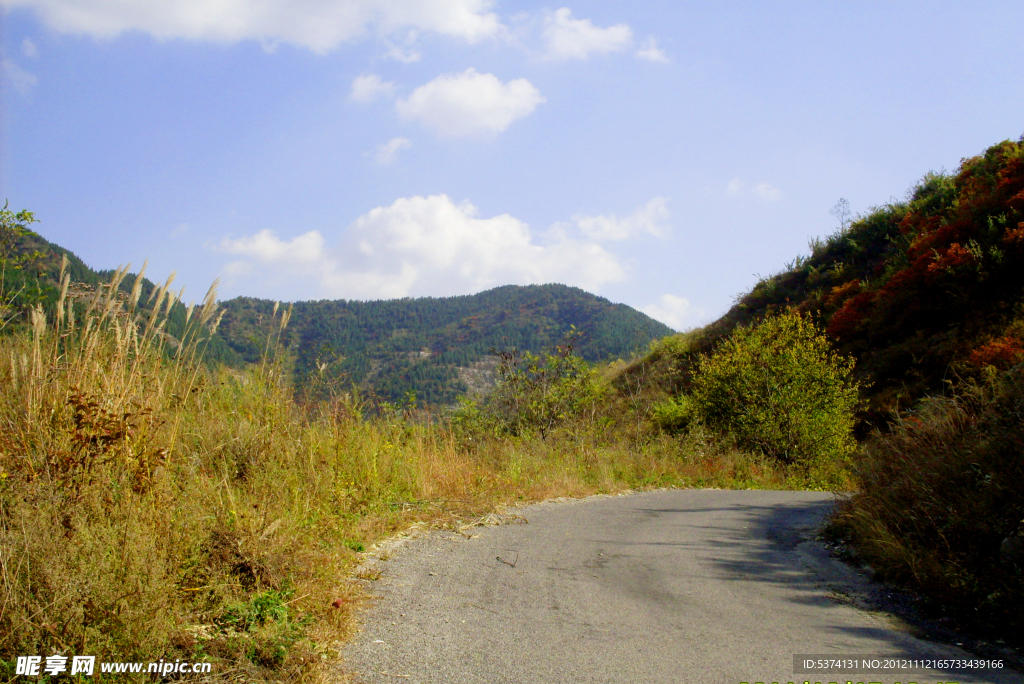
675,312
421,246
766,191
651,52
387,153
568,38
21,80
28,48
368,87
649,218
404,55
319,25
470,103
265,246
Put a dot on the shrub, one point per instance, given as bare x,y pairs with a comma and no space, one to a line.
1000,353
535,394
673,414
779,389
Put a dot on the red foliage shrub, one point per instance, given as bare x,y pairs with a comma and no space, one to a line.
956,255
845,321
1015,237
841,292
1003,353
1011,182
940,237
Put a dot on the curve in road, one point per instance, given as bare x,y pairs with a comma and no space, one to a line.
703,586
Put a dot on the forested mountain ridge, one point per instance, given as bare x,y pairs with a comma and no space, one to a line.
420,345
389,348
920,291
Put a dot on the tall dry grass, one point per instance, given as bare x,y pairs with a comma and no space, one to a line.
150,508
939,507
90,408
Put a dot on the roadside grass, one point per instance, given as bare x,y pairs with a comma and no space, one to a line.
151,508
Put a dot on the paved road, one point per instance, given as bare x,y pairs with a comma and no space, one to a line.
703,586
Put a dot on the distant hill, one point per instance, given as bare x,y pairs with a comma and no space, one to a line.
434,346
921,291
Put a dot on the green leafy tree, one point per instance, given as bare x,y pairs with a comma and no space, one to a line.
14,286
537,393
779,389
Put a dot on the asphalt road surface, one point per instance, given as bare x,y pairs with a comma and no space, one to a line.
703,586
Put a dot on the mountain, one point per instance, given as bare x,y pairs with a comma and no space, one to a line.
921,292
435,347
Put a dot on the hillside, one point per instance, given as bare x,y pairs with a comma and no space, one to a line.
432,346
436,348
919,292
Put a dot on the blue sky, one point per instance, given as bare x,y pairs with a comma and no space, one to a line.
661,154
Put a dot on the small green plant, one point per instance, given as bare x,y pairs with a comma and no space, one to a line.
264,607
674,414
779,389
354,545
